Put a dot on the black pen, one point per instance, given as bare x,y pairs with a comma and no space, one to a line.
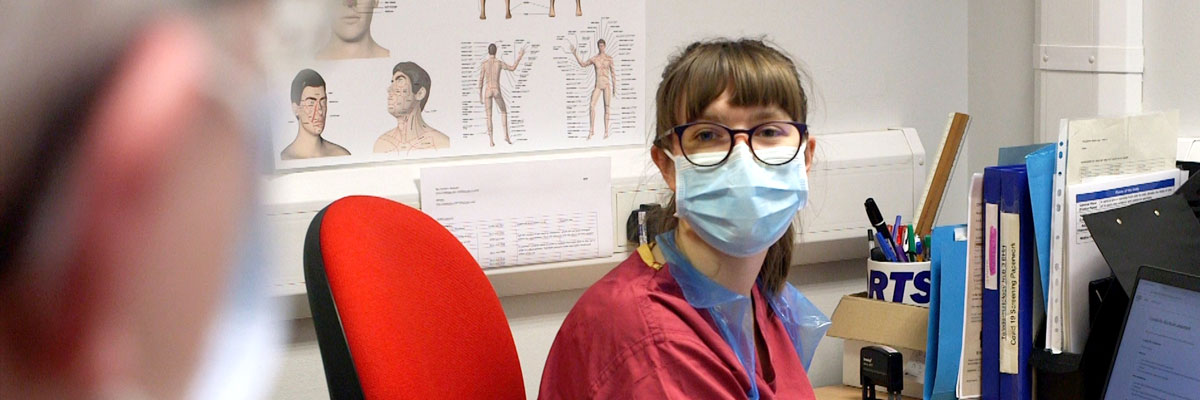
876,219
870,240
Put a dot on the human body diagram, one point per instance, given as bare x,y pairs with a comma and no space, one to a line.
605,87
407,95
508,9
489,89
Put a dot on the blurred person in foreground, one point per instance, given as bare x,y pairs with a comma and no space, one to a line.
127,251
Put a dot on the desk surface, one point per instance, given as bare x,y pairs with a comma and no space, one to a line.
842,392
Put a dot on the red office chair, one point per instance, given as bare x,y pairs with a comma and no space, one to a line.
401,308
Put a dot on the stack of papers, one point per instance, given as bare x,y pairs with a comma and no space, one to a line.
1102,164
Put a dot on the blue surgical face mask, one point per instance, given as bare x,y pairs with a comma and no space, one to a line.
742,206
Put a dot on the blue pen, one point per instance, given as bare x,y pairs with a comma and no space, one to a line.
899,254
919,247
886,245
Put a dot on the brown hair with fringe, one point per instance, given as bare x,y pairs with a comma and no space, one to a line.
755,74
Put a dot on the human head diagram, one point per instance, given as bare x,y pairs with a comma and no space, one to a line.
409,89
309,101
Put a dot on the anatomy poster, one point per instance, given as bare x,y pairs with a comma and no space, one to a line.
404,80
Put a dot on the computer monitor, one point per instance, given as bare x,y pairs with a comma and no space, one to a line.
1158,353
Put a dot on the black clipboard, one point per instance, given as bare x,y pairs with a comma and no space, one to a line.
1162,232
1191,191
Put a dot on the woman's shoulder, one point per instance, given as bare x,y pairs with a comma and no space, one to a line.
629,304
620,298
628,326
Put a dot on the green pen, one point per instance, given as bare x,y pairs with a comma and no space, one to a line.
912,243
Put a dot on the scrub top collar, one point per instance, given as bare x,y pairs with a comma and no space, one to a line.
733,313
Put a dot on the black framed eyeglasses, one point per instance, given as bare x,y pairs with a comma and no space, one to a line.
708,144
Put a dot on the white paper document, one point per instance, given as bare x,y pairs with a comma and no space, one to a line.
971,359
1083,260
1126,145
527,212
1093,148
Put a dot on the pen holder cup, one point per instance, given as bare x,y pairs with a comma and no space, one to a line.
898,282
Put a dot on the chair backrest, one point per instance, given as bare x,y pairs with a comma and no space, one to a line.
401,308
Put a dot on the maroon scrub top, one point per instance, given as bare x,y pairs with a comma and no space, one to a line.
633,336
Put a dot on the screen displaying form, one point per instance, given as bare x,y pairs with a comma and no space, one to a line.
1159,354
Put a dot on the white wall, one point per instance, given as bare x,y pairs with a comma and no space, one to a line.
875,64
1000,77
1172,77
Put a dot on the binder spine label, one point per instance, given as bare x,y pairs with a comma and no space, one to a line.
991,256
1010,289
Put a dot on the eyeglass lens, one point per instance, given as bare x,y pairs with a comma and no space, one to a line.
773,143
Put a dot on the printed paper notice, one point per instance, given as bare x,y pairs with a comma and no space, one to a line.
1127,145
524,213
1084,263
971,357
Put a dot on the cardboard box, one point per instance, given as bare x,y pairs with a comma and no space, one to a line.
865,322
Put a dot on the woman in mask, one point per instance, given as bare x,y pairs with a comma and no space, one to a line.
705,311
